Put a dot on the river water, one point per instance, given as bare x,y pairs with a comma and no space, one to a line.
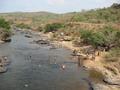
37,67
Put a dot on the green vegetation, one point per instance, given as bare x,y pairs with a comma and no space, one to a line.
111,14
4,29
53,27
35,19
23,26
94,38
107,38
4,24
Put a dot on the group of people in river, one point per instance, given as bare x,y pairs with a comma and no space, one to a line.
51,62
81,57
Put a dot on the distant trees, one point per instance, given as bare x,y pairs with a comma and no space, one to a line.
111,14
116,5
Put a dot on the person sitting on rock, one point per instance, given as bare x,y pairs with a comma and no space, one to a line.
74,52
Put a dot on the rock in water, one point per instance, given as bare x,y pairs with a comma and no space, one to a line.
3,69
28,36
7,40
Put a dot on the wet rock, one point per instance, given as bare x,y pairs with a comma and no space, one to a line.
28,36
26,85
42,42
7,40
112,81
3,69
53,47
1,41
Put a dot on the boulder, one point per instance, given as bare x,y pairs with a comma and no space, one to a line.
3,69
42,42
28,36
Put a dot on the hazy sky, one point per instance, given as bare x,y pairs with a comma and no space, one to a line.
57,6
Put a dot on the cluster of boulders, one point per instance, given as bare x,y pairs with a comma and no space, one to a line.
3,64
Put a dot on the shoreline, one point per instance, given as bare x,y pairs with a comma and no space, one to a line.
112,82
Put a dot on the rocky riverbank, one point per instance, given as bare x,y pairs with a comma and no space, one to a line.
109,71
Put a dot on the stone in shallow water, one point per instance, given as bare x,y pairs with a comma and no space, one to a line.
39,66
7,40
3,69
28,36
26,85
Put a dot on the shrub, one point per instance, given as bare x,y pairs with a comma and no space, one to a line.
23,26
4,24
53,27
4,29
86,35
107,38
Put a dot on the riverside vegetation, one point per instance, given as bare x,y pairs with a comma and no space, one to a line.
4,37
4,30
94,34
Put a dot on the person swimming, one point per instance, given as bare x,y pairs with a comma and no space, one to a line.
63,66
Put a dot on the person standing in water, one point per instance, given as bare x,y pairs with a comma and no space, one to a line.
79,61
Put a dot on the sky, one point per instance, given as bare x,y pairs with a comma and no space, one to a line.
56,6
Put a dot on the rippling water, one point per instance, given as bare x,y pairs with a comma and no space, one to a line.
35,67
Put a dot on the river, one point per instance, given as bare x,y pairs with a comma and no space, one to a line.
37,67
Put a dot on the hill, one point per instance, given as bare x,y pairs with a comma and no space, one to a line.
105,15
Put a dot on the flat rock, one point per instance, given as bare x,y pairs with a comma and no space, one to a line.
112,81
28,36
42,42
105,87
3,69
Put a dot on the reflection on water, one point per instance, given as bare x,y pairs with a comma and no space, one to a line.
37,67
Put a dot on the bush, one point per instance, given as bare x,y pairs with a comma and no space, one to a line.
94,38
53,27
107,38
23,26
86,36
4,29
4,24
